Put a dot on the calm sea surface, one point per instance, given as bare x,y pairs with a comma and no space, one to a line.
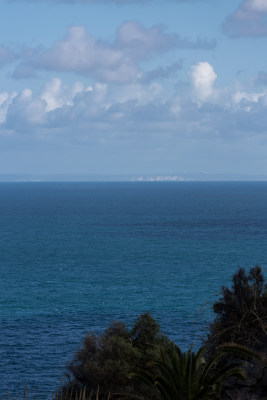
75,256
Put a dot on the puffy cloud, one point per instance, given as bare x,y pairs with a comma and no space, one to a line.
250,19
104,113
5,101
25,111
203,78
57,95
117,61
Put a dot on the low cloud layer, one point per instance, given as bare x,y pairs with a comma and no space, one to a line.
95,113
250,19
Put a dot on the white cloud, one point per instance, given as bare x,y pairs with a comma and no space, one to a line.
240,96
3,98
27,109
56,95
104,113
3,106
203,78
5,101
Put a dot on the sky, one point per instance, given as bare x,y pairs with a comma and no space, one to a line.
133,87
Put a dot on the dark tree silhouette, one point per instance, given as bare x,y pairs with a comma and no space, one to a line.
105,362
241,311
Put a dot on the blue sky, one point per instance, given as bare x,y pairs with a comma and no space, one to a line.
133,87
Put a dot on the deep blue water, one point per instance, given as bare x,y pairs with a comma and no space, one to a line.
75,256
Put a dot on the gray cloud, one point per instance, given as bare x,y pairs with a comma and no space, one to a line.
23,71
161,72
200,43
250,19
262,77
117,61
6,55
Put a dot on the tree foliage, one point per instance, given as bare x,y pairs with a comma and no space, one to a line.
190,375
106,361
241,311
241,317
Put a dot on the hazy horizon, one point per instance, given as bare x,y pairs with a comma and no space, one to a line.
204,177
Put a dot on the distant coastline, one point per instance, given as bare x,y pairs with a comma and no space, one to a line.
161,177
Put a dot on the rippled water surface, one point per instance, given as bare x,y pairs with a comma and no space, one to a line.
75,256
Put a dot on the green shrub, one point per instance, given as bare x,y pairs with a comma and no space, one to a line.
241,311
106,361
188,375
241,318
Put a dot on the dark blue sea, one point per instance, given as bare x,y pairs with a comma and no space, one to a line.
75,256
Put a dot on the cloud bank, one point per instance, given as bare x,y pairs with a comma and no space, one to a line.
102,113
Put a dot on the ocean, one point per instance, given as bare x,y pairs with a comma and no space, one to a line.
76,256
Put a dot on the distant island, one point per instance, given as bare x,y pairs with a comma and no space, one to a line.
159,178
